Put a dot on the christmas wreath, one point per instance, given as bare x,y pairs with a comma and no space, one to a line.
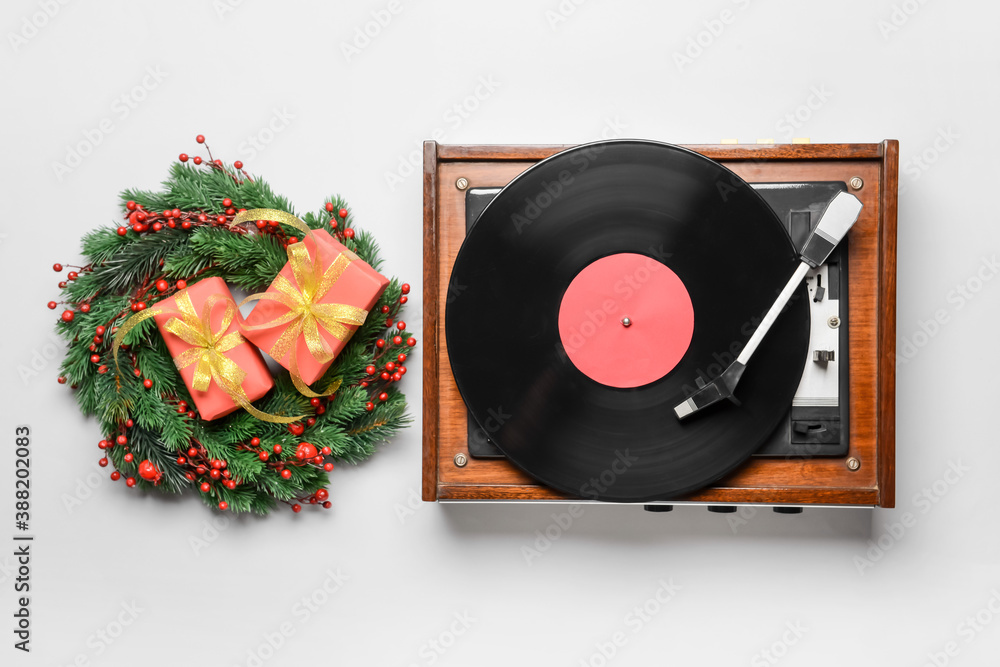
213,220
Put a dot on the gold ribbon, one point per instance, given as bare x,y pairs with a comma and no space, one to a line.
207,349
305,314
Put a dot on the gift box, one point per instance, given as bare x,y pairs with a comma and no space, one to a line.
326,279
211,346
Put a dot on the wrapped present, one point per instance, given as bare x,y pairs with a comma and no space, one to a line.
222,370
315,304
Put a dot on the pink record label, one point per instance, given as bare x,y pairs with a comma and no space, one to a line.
626,320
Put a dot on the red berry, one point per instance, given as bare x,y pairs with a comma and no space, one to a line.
385,375
411,341
325,451
227,202
85,308
397,340
141,305
261,224
149,471
183,157
263,456
200,138
122,231
402,370
305,450
390,367
62,284
130,205
217,162
369,406
68,316
329,207
223,505
276,449
103,462
197,159
61,380
286,473
401,358
255,442
322,494
192,451
349,233
221,219
296,429
129,423
402,299
205,487
380,343
181,460
405,288
314,402
327,504
238,164
57,267
130,481
202,217
147,383
140,216
328,467
214,474
162,285
397,376
342,213
383,396
100,330
296,507
388,321
157,227
201,470
182,284
95,358
401,325
115,476
371,370
129,457
52,305
103,444
385,309
320,410
186,224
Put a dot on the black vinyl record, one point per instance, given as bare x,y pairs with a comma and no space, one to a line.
558,424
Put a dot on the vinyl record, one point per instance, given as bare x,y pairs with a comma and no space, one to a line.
590,295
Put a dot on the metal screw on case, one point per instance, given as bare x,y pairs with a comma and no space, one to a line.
834,322
461,459
857,183
853,463
462,183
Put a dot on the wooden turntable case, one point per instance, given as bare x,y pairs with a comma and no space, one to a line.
866,476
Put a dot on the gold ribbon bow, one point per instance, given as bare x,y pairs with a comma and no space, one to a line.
207,349
302,298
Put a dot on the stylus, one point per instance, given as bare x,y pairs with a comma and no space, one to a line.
839,217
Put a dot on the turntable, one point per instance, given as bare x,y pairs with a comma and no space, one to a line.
589,310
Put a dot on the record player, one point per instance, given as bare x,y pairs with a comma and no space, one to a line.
610,285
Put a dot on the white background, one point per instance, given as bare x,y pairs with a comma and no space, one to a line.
744,579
